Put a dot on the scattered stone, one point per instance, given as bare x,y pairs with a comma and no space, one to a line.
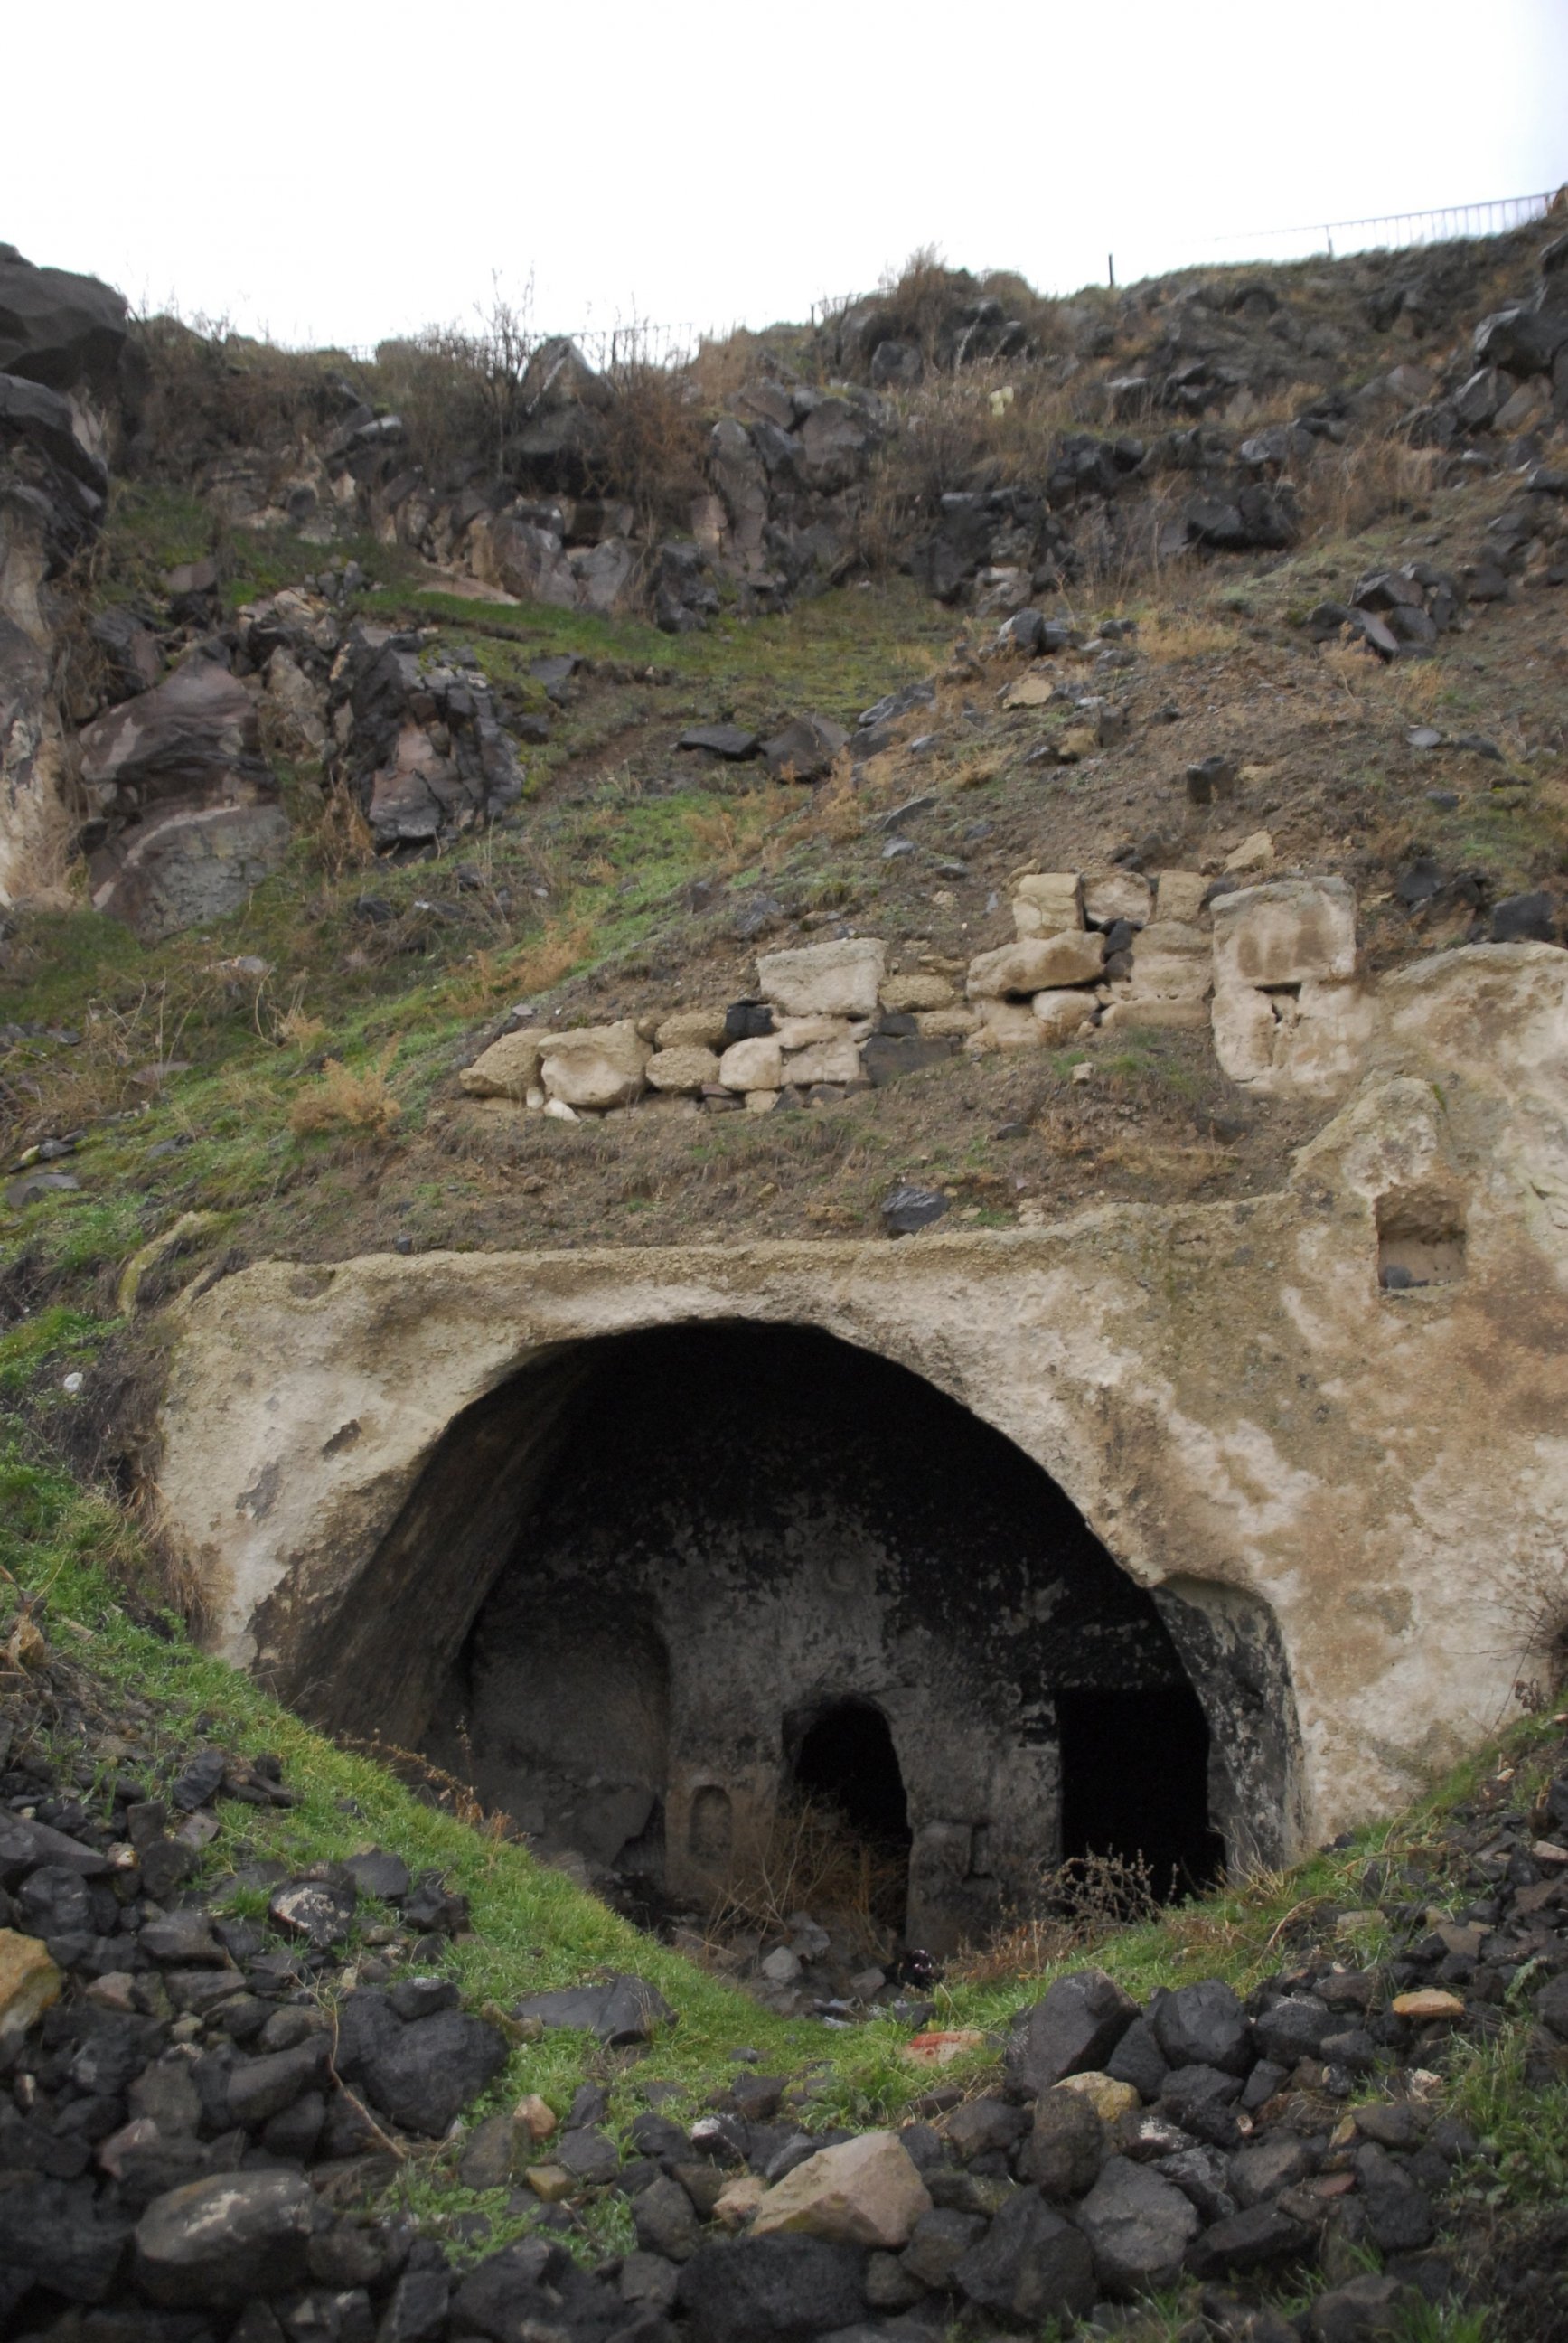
728,741
1139,2226
1073,2027
218,2243
908,1209
865,2192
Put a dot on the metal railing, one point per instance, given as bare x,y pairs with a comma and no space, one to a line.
642,342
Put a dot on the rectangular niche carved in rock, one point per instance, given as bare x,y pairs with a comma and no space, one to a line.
1420,1240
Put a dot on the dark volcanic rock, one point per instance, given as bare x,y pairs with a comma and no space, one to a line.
779,2289
1031,2265
1071,2030
219,2242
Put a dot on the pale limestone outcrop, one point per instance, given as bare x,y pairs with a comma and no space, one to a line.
832,980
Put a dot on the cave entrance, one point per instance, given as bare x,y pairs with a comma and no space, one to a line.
1135,1776
658,1581
847,1763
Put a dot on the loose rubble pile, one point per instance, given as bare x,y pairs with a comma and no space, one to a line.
198,2107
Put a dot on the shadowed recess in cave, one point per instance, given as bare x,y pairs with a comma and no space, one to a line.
660,1581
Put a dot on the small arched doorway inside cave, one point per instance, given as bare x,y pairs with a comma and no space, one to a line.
845,1766
1135,1785
658,1578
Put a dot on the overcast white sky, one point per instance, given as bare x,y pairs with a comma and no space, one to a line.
335,173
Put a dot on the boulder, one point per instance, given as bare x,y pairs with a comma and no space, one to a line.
773,2289
508,1069
1203,2025
421,2072
194,736
176,776
1139,2226
864,2192
1067,2147
188,866
1037,964
626,2010
833,980
754,1065
805,750
597,1066
59,329
1031,2266
1075,2025
219,2243
683,1070
1284,932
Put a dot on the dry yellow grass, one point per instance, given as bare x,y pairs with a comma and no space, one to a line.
345,1102
1173,635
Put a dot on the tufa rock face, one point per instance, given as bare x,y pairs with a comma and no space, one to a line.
1247,1501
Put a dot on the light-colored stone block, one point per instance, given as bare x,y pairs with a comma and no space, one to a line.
1010,1025
1172,961
833,980
508,1069
804,1033
685,1067
1037,964
598,1066
942,1024
1285,932
920,990
1178,895
691,1029
827,1061
1112,895
1046,901
754,1065
864,2192
1059,1015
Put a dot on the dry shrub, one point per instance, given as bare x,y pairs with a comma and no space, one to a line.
336,835
295,1027
650,442
1082,1902
550,957
208,387
345,1102
1346,489
993,425
812,1861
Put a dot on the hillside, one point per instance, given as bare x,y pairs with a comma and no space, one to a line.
371,729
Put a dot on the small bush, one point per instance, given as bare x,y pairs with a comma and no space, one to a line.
345,1101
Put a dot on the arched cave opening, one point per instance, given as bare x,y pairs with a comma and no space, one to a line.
655,1582
847,1760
